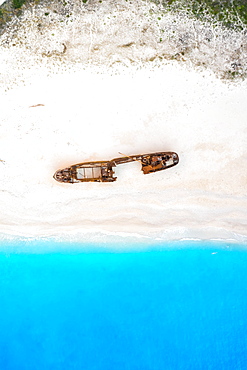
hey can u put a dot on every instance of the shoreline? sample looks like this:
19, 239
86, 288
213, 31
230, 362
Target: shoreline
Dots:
114, 245
176, 235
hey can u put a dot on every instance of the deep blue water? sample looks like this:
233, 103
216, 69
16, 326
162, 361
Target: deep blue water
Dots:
171, 306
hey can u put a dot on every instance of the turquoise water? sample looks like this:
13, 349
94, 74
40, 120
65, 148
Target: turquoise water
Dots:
169, 306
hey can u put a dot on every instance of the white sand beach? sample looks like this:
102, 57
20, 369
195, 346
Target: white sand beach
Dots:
57, 113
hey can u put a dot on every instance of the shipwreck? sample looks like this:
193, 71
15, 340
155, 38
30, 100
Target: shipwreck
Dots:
102, 171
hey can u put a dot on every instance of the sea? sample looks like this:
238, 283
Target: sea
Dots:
174, 305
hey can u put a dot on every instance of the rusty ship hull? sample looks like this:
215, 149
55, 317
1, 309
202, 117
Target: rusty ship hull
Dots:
102, 171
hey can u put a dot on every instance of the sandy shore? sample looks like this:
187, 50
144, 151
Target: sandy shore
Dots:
56, 119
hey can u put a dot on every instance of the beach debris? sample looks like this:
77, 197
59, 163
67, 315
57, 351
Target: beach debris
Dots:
1, 160
37, 105
102, 171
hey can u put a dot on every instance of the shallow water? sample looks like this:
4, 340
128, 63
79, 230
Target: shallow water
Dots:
167, 306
